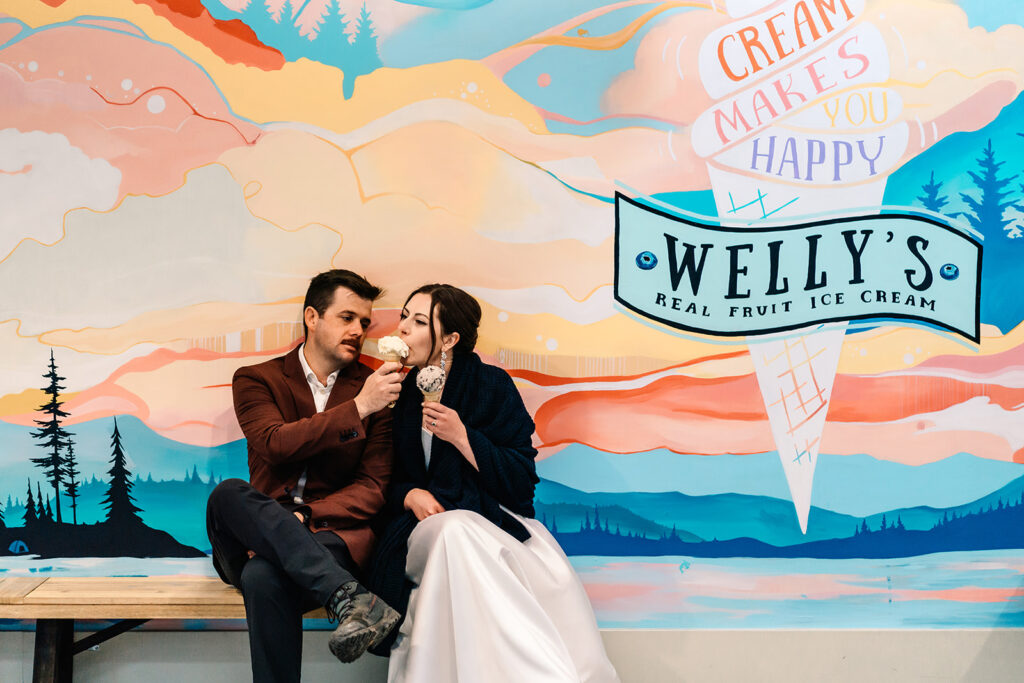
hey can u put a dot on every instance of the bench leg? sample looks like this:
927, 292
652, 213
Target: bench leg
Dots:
53, 651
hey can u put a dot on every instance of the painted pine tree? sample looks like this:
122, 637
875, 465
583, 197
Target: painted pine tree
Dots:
363, 56
283, 29
30, 517
71, 485
40, 508
1016, 228
313, 30
932, 200
342, 23
986, 212
52, 434
330, 43
994, 211
319, 33
364, 45
286, 15
118, 501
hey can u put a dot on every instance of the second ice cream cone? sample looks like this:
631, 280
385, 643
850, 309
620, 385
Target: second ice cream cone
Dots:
430, 382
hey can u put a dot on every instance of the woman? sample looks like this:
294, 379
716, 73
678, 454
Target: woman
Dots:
493, 597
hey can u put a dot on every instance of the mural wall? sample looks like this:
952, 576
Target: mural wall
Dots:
754, 266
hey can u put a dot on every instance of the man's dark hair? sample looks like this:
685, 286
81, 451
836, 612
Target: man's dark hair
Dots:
321, 290
456, 310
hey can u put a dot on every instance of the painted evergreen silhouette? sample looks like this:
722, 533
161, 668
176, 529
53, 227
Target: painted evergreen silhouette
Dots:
325, 39
2, 525
120, 505
52, 435
71, 485
40, 508
320, 20
1016, 228
986, 212
365, 57
30, 517
932, 200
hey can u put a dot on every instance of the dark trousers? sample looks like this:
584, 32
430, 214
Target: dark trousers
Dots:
293, 571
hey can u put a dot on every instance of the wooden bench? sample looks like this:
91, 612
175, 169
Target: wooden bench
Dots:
56, 602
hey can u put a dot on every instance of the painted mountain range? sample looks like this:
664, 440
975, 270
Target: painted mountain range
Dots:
171, 492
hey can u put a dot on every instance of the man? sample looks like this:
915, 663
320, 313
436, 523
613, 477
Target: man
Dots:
319, 440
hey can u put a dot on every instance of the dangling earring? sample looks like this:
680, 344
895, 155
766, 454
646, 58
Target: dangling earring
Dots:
444, 359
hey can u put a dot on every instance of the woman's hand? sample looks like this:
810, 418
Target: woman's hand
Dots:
422, 503
445, 423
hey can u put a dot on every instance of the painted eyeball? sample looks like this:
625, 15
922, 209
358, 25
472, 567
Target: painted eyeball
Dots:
645, 260
949, 272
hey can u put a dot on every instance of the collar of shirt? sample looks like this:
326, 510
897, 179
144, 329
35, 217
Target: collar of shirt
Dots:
321, 392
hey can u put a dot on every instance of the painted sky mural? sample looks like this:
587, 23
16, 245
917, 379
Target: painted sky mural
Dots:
173, 172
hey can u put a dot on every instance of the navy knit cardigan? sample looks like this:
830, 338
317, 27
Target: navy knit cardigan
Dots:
500, 433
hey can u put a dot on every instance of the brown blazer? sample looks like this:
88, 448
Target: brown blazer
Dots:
349, 459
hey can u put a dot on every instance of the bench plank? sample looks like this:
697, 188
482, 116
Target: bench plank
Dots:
150, 590
56, 602
116, 612
14, 589
150, 597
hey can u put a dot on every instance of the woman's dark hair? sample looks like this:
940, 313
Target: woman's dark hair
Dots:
456, 310
320, 292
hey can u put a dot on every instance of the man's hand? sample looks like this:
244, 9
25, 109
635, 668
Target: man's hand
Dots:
422, 503
380, 389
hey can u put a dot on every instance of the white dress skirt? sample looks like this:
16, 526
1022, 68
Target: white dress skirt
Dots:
489, 609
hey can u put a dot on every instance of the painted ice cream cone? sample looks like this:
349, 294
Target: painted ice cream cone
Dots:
792, 160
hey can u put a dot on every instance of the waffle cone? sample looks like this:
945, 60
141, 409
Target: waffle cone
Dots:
432, 395
391, 358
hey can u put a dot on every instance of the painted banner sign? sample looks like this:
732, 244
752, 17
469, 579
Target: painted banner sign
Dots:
730, 281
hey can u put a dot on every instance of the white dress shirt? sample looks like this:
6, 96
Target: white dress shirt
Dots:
321, 392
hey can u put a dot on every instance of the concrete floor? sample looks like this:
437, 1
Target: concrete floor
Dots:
650, 656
